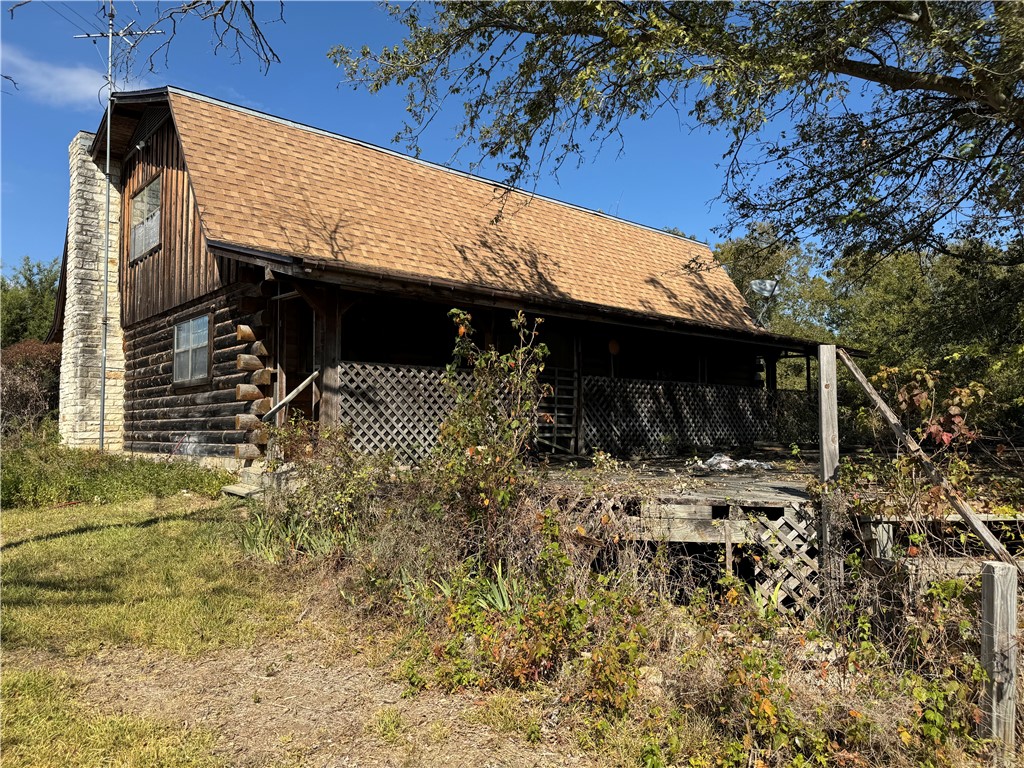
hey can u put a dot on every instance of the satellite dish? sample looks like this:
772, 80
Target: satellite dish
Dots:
764, 288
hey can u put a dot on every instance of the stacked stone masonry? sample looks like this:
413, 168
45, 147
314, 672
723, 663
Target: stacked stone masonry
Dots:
82, 359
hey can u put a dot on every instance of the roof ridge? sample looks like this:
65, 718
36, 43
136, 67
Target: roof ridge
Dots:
169, 89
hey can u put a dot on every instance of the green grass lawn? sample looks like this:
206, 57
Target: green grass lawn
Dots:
45, 725
161, 573
167, 574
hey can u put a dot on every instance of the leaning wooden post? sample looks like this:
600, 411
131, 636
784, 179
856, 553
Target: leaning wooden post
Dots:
999, 656
960, 505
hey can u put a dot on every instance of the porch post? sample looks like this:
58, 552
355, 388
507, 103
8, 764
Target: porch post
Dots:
577, 386
330, 409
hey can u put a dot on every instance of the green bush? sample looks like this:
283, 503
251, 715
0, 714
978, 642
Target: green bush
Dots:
29, 382
38, 472
478, 469
330, 503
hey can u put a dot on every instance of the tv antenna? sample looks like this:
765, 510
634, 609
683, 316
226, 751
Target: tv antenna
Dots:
110, 34
768, 289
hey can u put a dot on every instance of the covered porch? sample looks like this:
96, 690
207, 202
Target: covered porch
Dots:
376, 361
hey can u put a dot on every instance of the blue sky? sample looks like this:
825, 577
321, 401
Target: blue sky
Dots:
664, 176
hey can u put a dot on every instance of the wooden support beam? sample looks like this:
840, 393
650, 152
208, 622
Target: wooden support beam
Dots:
261, 406
248, 451
262, 378
258, 437
248, 392
248, 421
259, 319
146, 422
229, 354
138, 446
205, 437
330, 405
999, 657
975, 523
244, 333
696, 531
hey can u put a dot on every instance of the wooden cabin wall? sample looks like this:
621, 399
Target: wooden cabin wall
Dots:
182, 269
662, 356
220, 417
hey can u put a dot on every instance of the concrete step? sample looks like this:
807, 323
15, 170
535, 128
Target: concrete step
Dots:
245, 490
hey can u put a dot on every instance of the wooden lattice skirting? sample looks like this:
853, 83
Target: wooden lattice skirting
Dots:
400, 408
787, 564
395, 408
663, 418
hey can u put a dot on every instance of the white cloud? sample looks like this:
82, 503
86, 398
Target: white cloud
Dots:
77, 87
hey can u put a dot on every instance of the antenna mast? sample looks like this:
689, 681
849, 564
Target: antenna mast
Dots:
110, 34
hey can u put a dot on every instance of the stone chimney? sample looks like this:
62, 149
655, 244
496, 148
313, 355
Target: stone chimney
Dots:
81, 358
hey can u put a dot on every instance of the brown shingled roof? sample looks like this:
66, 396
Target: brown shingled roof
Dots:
267, 185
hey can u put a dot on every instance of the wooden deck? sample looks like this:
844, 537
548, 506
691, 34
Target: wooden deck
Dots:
766, 515
724, 509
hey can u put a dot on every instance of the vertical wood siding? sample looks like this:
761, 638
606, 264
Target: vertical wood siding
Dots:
182, 269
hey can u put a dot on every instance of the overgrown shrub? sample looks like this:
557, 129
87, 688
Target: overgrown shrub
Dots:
29, 384
328, 503
501, 580
478, 467
38, 472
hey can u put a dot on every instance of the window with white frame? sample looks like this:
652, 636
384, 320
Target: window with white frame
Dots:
145, 235
192, 350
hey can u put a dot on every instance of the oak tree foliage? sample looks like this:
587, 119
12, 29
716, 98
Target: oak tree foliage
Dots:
872, 128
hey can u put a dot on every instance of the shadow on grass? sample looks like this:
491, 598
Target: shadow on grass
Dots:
82, 529
89, 591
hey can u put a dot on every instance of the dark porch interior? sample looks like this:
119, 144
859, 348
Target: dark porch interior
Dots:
615, 387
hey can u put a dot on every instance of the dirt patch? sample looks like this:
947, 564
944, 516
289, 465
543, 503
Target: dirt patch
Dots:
284, 704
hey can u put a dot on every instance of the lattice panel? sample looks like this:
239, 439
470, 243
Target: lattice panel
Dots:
397, 408
400, 408
786, 569
661, 418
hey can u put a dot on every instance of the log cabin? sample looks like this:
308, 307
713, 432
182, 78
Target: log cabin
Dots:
255, 261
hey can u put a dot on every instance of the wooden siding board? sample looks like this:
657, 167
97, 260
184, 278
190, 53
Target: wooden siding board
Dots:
182, 269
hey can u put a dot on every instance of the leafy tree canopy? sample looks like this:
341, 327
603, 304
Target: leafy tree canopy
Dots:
27, 301
964, 318
871, 128
802, 304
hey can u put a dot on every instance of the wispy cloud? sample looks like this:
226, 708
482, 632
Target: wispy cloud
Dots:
77, 87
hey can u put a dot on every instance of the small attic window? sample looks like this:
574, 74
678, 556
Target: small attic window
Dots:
145, 235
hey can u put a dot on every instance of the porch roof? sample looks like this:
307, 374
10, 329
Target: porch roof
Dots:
272, 187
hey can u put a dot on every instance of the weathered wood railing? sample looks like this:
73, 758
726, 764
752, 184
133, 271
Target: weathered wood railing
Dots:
999, 579
291, 396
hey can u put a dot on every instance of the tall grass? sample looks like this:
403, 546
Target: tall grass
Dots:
163, 573
38, 472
